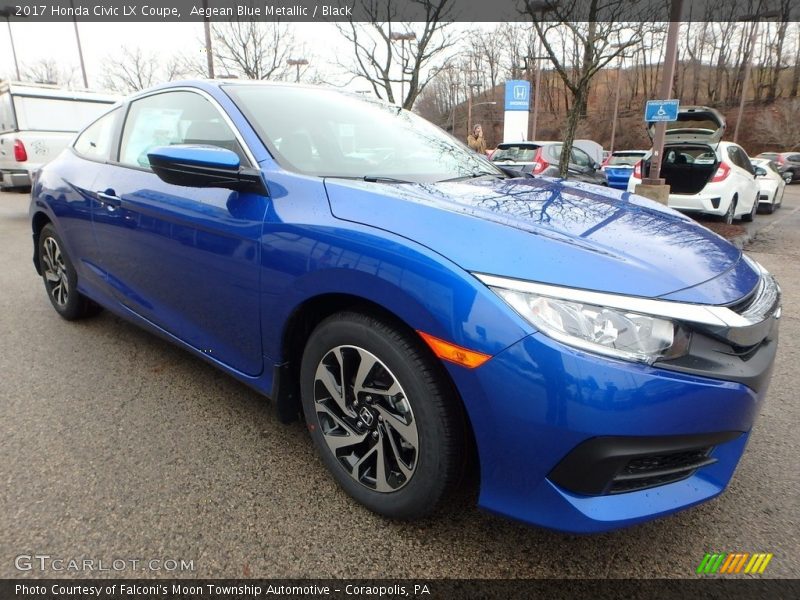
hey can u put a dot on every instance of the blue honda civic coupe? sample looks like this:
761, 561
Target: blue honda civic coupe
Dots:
598, 358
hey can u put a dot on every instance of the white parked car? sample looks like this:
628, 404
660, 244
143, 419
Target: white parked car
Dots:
704, 174
770, 184
37, 122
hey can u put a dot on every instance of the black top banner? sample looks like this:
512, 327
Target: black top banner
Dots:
397, 10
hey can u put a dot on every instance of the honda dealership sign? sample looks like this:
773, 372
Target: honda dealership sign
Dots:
517, 107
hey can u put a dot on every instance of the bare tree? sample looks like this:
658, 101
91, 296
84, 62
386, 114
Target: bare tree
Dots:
47, 70
255, 50
134, 69
386, 62
779, 125
587, 47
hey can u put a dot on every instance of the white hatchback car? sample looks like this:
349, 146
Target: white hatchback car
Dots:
771, 184
704, 174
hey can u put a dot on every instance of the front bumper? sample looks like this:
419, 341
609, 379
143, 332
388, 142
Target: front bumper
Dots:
538, 401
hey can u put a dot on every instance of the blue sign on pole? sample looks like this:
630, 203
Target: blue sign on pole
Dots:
661, 110
518, 94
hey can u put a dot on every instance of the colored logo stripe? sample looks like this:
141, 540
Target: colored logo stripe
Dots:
734, 562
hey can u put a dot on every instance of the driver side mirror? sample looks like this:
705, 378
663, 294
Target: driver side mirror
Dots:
204, 167
760, 171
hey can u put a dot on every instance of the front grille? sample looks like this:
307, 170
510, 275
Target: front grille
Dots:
658, 469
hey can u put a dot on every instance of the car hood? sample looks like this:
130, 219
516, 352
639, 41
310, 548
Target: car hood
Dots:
558, 232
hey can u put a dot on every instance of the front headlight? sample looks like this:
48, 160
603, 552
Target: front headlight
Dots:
604, 330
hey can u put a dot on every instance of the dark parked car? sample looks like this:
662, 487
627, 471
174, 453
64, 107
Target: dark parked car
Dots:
544, 158
788, 164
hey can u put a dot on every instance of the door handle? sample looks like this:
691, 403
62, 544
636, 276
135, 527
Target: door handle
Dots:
109, 199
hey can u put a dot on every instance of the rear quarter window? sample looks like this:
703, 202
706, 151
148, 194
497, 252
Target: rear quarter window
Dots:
96, 140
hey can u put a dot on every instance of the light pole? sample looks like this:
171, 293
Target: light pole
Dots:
471, 84
207, 33
6, 13
403, 38
80, 50
746, 80
543, 7
616, 98
676, 10
482, 104
297, 62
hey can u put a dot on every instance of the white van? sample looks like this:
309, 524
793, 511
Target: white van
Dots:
37, 122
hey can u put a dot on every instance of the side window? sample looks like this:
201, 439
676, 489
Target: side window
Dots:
732, 156
173, 118
580, 158
95, 141
794, 158
745, 161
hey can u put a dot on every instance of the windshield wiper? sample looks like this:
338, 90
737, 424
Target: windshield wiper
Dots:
474, 175
369, 178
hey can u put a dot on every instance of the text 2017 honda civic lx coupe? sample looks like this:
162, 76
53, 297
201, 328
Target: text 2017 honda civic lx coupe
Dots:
604, 356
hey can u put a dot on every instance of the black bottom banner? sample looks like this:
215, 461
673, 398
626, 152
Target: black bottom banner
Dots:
251, 589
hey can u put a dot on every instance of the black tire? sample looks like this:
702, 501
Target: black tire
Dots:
788, 177
752, 214
435, 465
60, 278
769, 208
730, 214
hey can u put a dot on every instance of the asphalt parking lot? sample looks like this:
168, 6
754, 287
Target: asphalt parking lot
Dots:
117, 445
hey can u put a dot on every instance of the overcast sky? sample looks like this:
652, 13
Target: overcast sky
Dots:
102, 41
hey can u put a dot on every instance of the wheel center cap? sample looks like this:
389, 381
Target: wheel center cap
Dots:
366, 416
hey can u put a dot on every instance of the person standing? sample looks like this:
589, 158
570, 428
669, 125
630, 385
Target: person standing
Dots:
476, 141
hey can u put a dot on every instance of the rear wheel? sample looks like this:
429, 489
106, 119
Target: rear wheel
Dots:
788, 177
385, 423
751, 215
60, 278
731, 212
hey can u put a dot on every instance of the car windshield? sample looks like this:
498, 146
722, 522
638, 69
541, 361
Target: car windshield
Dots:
332, 134
625, 160
514, 153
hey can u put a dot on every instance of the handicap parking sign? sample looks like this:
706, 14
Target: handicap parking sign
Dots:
661, 110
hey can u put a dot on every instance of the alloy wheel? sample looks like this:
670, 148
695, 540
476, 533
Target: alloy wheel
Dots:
366, 419
55, 271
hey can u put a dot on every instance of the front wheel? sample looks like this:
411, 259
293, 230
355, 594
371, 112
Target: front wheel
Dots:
383, 419
788, 177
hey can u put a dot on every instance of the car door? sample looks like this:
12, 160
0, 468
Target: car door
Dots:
183, 258
581, 166
745, 174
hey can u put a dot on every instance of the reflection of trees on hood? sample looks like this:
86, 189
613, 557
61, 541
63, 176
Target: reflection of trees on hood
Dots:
582, 213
